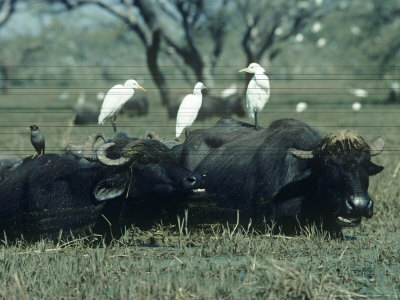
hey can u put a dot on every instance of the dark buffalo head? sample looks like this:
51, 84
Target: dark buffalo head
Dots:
148, 167
340, 169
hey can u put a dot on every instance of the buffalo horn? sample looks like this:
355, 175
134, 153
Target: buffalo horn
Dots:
101, 156
377, 146
88, 146
302, 154
152, 135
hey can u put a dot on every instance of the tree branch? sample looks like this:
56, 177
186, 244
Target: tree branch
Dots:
7, 7
126, 15
189, 52
217, 28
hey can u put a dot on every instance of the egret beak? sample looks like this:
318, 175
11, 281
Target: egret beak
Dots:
204, 87
28, 128
142, 88
244, 70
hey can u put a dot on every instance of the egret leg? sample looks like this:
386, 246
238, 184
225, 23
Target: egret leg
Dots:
34, 155
256, 123
41, 153
113, 124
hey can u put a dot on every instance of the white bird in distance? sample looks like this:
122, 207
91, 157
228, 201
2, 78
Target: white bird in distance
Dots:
189, 108
115, 99
100, 96
359, 93
258, 91
356, 106
301, 106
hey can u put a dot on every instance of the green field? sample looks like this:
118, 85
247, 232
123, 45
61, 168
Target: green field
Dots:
214, 261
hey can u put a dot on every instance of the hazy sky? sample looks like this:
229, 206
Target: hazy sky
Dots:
29, 19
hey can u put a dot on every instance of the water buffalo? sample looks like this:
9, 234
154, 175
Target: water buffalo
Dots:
86, 113
213, 106
137, 106
287, 172
120, 183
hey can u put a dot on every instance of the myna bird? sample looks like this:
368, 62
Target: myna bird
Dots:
37, 140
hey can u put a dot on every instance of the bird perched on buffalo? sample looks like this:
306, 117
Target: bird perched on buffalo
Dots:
258, 91
116, 97
189, 108
37, 140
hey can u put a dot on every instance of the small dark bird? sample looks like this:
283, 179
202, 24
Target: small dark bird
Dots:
37, 140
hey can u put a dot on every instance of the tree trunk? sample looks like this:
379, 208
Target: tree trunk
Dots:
152, 63
5, 80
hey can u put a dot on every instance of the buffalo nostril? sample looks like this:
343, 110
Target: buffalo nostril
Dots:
350, 206
191, 179
360, 206
369, 205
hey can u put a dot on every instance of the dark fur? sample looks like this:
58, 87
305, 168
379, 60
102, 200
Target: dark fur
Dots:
87, 113
44, 195
136, 106
255, 171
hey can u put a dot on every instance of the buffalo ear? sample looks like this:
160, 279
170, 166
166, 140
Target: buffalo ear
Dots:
110, 188
373, 169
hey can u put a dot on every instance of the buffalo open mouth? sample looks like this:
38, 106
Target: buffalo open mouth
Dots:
199, 191
348, 221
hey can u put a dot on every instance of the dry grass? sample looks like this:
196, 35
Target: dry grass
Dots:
211, 261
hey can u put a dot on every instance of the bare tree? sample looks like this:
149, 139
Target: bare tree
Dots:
7, 7
268, 23
382, 23
11, 59
141, 19
16, 55
185, 20
194, 20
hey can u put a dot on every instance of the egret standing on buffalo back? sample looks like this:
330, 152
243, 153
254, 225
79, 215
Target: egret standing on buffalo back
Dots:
116, 97
189, 108
258, 91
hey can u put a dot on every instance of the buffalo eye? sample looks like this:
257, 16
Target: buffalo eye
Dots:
372, 168
334, 171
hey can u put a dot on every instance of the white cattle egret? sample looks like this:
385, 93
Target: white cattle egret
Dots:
299, 37
81, 98
231, 90
279, 31
359, 93
258, 91
189, 109
356, 106
355, 30
63, 96
100, 96
395, 85
321, 42
301, 106
114, 100
316, 27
